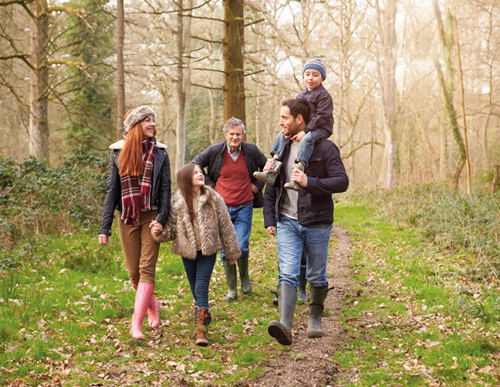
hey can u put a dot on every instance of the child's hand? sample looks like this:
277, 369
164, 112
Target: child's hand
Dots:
155, 227
298, 136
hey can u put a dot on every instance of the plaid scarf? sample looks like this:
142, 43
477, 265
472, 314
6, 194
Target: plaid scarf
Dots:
134, 195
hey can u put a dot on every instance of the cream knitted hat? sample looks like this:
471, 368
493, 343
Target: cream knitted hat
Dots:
137, 115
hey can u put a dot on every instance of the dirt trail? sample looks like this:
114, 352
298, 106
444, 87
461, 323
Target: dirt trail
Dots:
308, 363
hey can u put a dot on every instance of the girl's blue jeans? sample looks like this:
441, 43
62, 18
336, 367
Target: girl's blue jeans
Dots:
199, 271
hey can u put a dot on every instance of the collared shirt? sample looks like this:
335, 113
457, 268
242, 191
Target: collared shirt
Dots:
234, 155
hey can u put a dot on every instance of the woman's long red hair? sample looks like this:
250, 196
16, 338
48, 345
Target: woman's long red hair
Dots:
130, 159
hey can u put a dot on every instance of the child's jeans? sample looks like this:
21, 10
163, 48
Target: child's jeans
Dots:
306, 145
199, 271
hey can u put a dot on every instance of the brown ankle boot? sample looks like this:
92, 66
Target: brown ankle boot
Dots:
202, 319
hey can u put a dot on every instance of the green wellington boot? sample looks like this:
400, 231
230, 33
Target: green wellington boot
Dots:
232, 293
282, 330
302, 284
316, 307
246, 286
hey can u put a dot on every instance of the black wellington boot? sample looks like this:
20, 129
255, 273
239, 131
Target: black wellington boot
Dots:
282, 330
316, 307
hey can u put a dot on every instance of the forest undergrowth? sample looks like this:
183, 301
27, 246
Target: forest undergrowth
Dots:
424, 309
426, 272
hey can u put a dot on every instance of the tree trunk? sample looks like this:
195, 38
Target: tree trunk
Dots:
120, 68
446, 87
443, 148
464, 117
213, 117
183, 83
494, 183
39, 128
342, 60
386, 65
181, 95
234, 77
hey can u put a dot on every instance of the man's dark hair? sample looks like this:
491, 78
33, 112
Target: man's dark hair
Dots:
298, 106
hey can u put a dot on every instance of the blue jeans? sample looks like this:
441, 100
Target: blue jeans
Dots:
306, 145
296, 241
199, 271
242, 220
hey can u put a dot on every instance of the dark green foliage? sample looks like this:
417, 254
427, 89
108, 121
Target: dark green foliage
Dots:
452, 220
91, 97
37, 199
89, 259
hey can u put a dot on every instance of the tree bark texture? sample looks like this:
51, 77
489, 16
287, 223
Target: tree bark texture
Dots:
446, 86
183, 82
494, 183
39, 128
120, 68
234, 77
443, 148
464, 117
386, 65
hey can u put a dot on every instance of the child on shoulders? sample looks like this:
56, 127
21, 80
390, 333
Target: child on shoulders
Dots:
319, 126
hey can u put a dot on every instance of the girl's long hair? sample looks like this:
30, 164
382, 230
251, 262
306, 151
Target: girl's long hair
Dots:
130, 159
185, 184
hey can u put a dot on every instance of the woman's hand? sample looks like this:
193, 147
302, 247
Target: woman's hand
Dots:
155, 227
232, 261
104, 239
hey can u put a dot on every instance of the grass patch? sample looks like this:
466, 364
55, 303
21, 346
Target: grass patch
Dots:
422, 319
66, 315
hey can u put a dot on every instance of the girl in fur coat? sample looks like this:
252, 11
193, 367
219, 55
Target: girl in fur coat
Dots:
199, 225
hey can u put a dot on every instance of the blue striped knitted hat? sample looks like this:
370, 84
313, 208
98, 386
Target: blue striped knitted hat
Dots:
316, 64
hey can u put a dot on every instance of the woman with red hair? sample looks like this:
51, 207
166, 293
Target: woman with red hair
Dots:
138, 187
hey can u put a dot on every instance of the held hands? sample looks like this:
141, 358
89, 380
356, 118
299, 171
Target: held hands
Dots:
155, 227
104, 239
271, 231
232, 261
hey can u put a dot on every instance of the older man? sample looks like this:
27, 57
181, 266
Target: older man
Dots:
304, 221
229, 168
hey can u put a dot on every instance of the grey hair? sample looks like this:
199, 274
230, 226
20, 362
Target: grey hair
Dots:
232, 122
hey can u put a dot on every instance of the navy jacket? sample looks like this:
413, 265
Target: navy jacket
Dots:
212, 159
321, 104
161, 187
325, 175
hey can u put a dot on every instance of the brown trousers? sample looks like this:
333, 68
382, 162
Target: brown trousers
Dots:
139, 248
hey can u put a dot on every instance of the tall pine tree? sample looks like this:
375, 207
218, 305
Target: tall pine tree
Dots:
91, 96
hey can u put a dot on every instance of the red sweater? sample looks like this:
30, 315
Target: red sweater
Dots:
234, 183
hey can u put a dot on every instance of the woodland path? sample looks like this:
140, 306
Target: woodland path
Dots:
309, 361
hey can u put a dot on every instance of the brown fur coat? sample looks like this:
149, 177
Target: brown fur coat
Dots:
216, 228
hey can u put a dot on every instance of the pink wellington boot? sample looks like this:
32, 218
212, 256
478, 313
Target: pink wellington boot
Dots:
153, 311
142, 300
